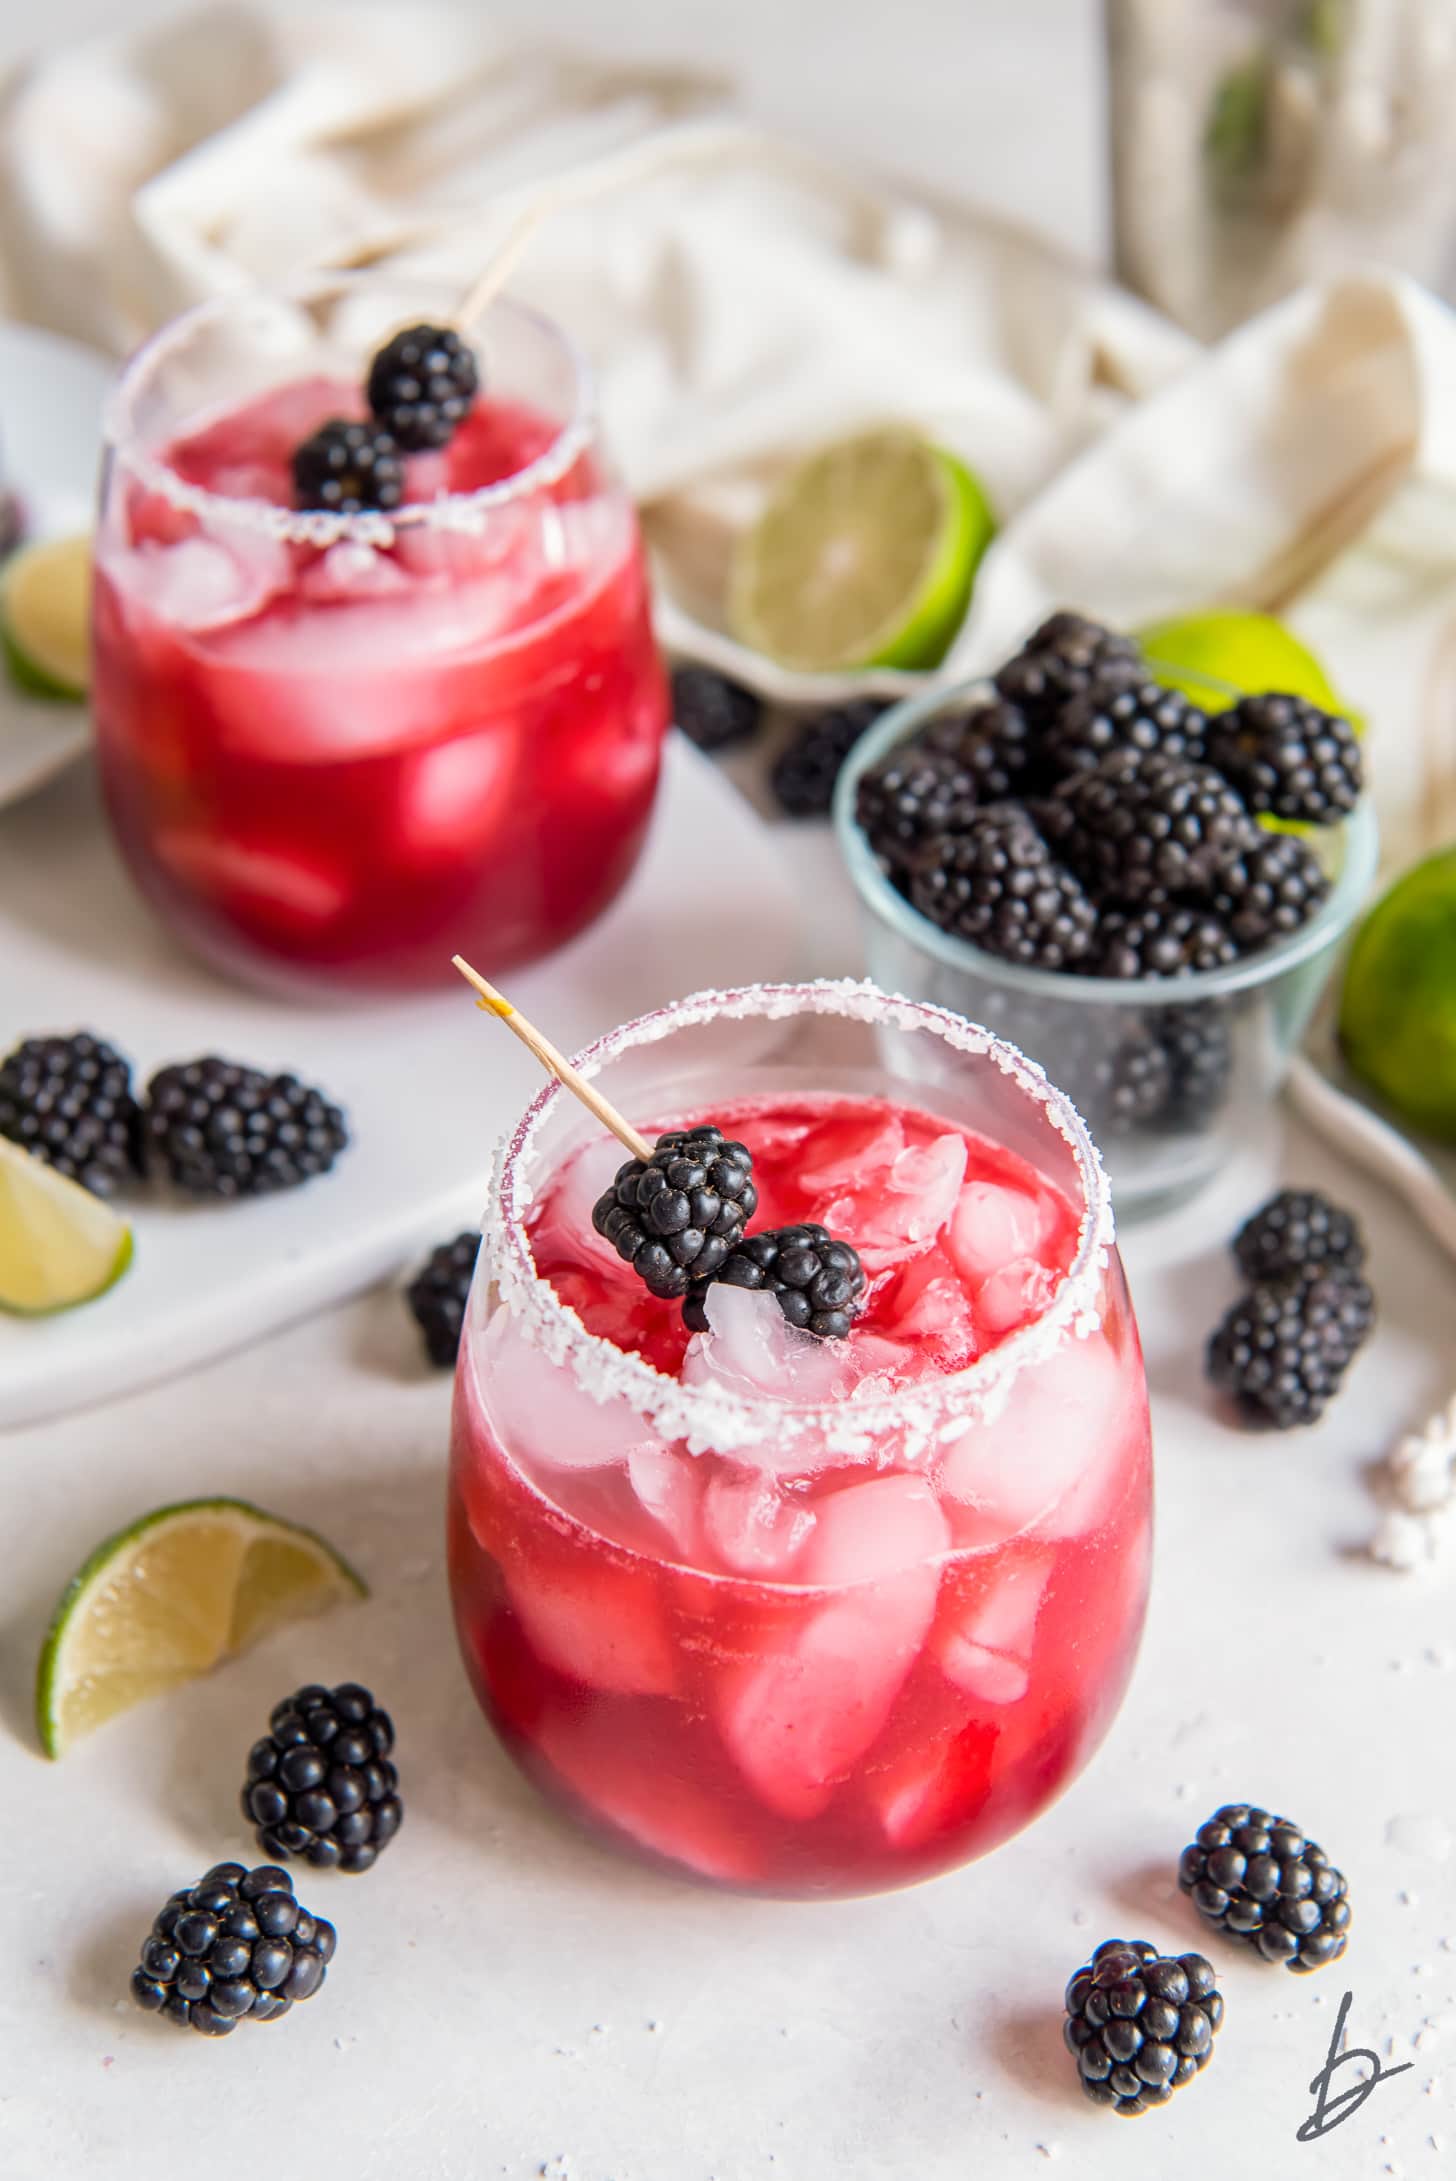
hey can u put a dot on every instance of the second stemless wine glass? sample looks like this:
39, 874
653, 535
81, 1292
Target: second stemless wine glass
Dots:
918, 1681
337, 747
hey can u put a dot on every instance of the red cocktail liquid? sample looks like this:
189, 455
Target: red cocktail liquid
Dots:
829, 1678
339, 764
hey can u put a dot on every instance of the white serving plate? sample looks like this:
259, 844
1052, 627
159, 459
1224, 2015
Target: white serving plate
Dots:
428, 1083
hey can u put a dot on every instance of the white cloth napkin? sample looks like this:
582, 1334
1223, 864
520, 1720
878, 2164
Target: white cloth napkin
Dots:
741, 299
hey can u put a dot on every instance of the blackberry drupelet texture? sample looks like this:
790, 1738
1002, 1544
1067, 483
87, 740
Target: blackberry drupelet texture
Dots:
1199, 1043
1140, 716
1269, 891
806, 770
816, 1280
1258, 1879
217, 1129
320, 1783
1297, 1231
236, 1946
422, 384
438, 1293
69, 1100
992, 740
1140, 2024
1134, 827
1288, 758
712, 711
1283, 1349
997, 884
1166, 939
912, 796
346, 467
1061, 659
675, 1217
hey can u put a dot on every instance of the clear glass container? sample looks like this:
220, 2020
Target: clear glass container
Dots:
1259, 144
931, 1601
337, 748
1226, 1034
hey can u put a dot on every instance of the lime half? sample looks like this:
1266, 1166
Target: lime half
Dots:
1219, 656
45, 616
170, 1596
865, 556
59, 1245
1398, 1001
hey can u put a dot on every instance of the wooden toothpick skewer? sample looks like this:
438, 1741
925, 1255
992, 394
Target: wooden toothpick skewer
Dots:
554, 1062
487, 285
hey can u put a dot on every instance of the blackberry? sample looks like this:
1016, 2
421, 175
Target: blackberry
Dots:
1273, 888
712, 711
1288, 758
1128, 1088
422, 385
818, 1281
1283, 1348
1141, 716
437, 1295
346, 467
218, 1129
674, 1217
69, 1100
1165, 939
993, 743
1140, 2024
997, 884
1257, 1879
1198, 1041
1297, 1231
910, 797
1134, 827
320, 1783
806, 769
1060, 660
237, 1945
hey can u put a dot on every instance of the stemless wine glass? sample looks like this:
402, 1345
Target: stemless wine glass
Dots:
919, 1681
336, 747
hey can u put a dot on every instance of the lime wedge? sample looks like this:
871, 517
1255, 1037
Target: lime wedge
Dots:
865, 556
1219, 656
1398, 1002
171, 1596
59, 1245
45, 616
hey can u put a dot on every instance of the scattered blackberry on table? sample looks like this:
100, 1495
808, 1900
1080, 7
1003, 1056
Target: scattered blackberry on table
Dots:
1257, 1879
1060, 660
422, 384
817, 1280
1136, 826
806, 769
1270, 890
345, 467
997, 884
675, 1217
1297, 1231
992, 741
438, 1293
1141, 716
1199, 1043
1140, 2024
1288, 758
320, 1783
217, 1129
1166, 939
1283, 1348
236, 1946
69, 1100
908, 799
711, 710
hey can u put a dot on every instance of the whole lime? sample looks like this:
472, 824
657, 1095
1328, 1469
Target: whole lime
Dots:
1222, 654
1398, 1004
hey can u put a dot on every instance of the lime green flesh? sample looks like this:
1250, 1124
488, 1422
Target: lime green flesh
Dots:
45, 617
1398, 1000
59, 1245
864, 557
168, 1598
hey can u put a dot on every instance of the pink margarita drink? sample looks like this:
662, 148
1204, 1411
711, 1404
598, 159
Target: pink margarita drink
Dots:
337, 747
810, 1616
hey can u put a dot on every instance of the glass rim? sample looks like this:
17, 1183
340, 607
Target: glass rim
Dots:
448, 511
714, 1416
1359, 833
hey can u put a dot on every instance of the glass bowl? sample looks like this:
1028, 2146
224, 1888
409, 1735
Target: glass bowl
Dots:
1226, 1035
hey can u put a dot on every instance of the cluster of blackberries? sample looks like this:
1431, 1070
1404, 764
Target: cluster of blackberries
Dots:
1139, 2023
238, 1946
210, 1127
421, 385
1284, 1347
717, 714
1085, 818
